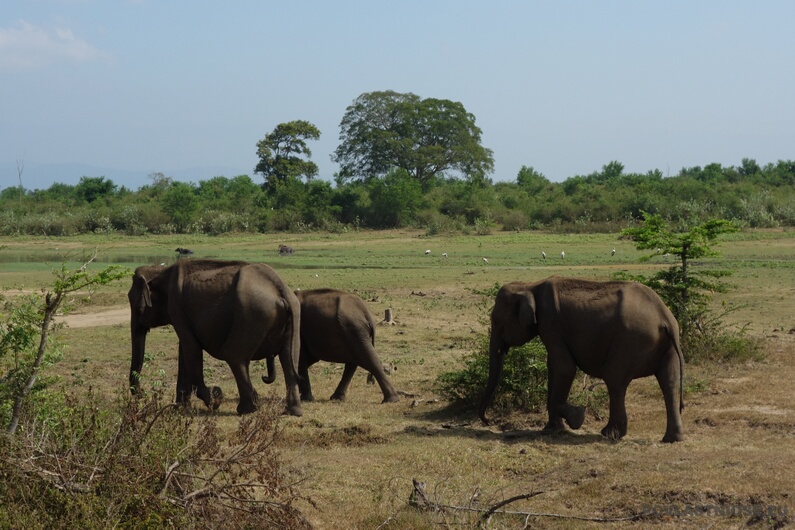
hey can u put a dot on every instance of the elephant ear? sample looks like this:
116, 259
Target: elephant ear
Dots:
527, 310
146, 295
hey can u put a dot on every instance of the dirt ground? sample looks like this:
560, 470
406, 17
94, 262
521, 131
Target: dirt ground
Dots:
739, 454
106, 317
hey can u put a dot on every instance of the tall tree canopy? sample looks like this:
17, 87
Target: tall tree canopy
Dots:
92, 188
280, 152
425, 137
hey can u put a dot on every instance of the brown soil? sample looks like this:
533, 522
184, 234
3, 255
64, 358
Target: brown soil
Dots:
106, 317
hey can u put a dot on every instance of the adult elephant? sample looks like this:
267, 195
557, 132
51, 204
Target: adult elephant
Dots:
336, 326
617, 331
235, 311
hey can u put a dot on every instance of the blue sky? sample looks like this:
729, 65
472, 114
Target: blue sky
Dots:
186, 87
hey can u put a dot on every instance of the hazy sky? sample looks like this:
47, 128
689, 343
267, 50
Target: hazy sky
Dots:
565, 87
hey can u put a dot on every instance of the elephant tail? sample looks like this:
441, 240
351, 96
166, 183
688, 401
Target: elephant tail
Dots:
294, 329
675, 340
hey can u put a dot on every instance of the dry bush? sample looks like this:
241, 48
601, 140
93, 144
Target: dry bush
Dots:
143, 464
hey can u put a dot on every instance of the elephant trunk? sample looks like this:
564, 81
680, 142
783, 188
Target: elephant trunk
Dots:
271, 377
138, 340
497, 350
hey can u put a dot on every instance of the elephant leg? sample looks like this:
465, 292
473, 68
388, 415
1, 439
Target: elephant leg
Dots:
291, 382
271, 368
668, 376
190, 377
184, 384
374, 366
616, 426
304, 385
190, 373
342, 388
248, 396
561, 372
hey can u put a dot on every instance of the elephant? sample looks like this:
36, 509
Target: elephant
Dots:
616, 330
336, 326
235, 311
284, 249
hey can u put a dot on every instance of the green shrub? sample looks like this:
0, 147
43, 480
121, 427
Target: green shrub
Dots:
514, 221
712, 341
483, 224
523, 385
436, 223
218, 222
286, 220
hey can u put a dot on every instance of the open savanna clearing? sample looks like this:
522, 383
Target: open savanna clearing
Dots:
354, 462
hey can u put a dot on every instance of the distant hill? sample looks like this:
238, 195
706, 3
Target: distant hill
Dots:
42, 176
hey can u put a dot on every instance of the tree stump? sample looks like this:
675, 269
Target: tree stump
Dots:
388, 317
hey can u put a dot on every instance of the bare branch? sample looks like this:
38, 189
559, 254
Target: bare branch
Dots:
500, 504
419, 499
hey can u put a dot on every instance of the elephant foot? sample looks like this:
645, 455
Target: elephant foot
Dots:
294, 410
673, 437
576, 417
248, 404
553, 426
614, 432
246, 408
307, 397
337, 397
394, 398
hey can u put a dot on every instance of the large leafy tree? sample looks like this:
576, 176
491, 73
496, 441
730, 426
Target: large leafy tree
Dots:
90, 189
282, 150
427, 138
532, 181
181, 203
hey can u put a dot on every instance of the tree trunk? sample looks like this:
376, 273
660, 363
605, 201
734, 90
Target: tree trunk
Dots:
388, 317
51, 306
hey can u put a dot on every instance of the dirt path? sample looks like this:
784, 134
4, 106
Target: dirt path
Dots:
116, 315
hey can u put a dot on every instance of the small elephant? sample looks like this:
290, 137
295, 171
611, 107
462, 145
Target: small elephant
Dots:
617, 331
233, 310
337, 327
284, 249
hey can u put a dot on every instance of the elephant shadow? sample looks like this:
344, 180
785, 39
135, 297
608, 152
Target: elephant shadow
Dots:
451, 421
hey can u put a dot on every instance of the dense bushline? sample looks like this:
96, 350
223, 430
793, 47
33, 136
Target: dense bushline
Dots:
605, 200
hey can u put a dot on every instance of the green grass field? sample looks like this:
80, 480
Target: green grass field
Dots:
356, 460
